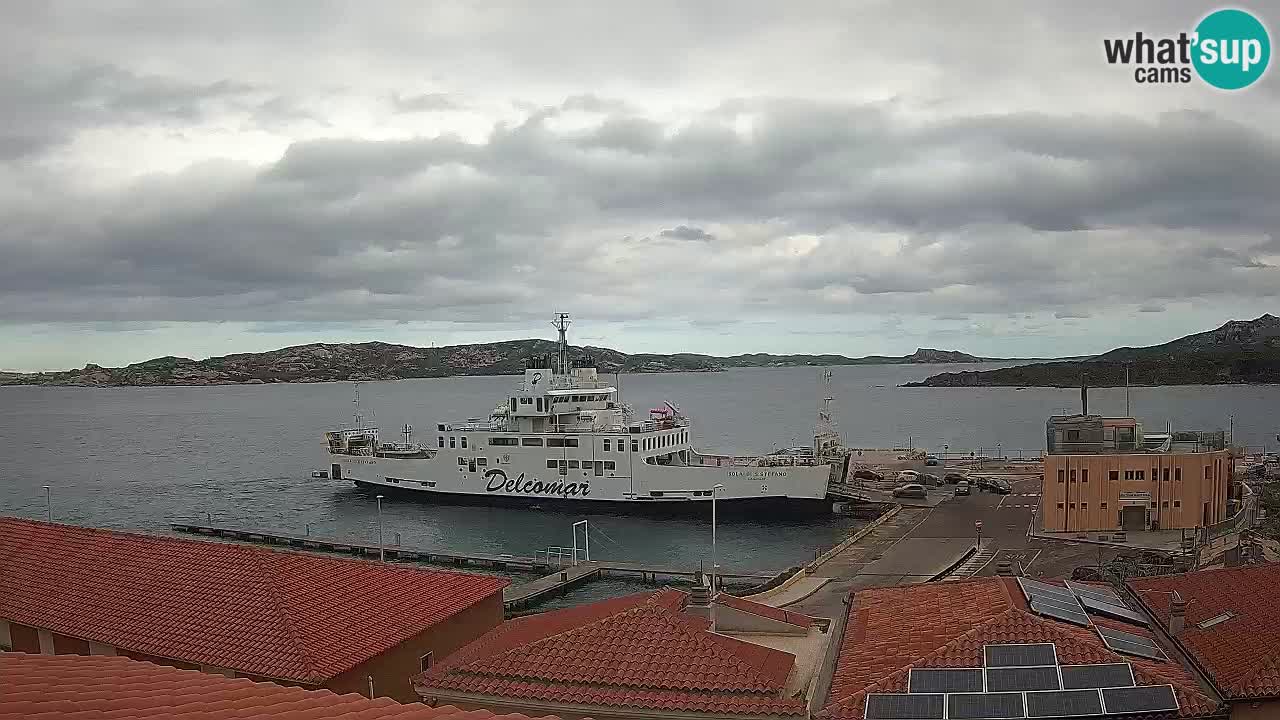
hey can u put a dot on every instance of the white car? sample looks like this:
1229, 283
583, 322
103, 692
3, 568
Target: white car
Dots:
908, 476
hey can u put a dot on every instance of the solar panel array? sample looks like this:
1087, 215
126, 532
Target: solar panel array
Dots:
1054, 601
1130, 644
1020, 681
1104, 601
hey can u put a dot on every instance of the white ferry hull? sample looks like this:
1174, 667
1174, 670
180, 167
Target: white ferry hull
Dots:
645, 486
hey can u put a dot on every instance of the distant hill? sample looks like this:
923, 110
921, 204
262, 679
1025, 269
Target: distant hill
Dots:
1241, 351
323, 362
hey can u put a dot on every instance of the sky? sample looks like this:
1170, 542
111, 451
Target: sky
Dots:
199, 178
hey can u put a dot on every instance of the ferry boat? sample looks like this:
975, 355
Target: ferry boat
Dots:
562, 438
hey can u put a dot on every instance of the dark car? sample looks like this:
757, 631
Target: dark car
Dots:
871, 475
954, 477
931, 460
1000, 487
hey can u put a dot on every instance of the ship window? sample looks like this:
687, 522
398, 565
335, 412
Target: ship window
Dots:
1177, 503
452, 440
622, 444
1062, 475
571, 442
503, 441
531, 442
1177, 474
464, 441
1084, 475
573, 464
482, 462
1115, 474
635, 447
441, 441
428, 483
552, 464
1166, 475
462, 461
538, 404
555, 442
513, 404
606, 444
609, 465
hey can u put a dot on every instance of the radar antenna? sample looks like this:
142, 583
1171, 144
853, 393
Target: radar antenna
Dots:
561, 324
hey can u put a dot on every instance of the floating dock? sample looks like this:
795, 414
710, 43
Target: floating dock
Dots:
558, 580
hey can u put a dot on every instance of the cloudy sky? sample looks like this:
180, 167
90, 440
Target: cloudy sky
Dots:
198, 178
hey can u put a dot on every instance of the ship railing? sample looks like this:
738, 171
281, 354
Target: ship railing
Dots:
652, 425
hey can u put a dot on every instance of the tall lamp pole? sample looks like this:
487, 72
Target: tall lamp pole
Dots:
715, 567
382, 555
48, 503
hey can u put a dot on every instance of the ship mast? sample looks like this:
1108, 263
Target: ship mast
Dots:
825, 427
356, 415
561, 324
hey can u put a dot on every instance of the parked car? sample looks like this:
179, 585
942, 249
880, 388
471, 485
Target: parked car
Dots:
911, 490
954, 477
908, 476
1001, 487
931, 460
871, 475
982, 482
962, 487
928, 479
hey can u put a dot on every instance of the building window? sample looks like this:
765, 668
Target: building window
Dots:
1115, 475
1177, 474
1104, 506
503, 442
441, 441
1059, 506
1128, 474
1084, 475
1073, 436
1073, 506
1177, 503
424, 662
531, 442
552, 464
608, 465
1084, 506
452, 441
1206, 472
1138, 475
1062, 474
1073, 474
1153, 503
606, 444
1164, 504
1166, 475
464, 441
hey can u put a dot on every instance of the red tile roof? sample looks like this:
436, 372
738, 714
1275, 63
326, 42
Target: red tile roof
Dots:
890, 630
57, 687
1241, 654
640, 651
768, 611
283, 615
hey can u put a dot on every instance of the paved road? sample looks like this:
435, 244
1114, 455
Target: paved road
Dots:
920, 542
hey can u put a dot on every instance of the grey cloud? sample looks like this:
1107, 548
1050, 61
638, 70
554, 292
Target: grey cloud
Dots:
1070, 315
684, 232
1151, 308
426, 102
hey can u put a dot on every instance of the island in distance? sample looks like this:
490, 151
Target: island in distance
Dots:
327, 362
1239, 352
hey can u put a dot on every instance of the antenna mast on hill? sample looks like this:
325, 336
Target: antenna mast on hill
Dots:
561, 324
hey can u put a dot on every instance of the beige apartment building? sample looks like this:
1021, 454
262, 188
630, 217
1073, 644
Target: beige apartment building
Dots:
1105, 474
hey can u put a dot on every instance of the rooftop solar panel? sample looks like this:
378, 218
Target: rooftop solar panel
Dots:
1104, 594
1057, 612
984, 706
1112, 610
1016, 679
1077, 677
1130, 644
901, 706
949, 680
1150, 698
1020, 655
1034, 587
1063, 704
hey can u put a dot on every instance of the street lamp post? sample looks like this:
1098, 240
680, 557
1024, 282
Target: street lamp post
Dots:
382, 553
48, 503
715, 566
944, 459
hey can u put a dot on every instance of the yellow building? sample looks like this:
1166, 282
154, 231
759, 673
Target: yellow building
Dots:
1091, 483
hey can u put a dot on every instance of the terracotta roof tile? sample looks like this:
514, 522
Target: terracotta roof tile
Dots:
1242, 653
284, 615
69, 687
638, 651
891, 630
